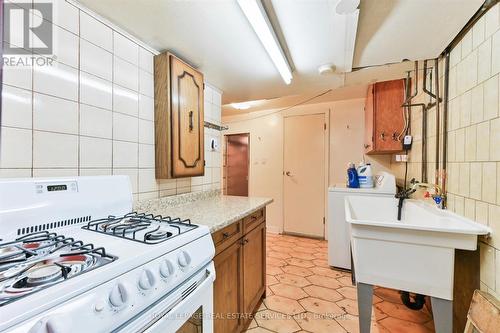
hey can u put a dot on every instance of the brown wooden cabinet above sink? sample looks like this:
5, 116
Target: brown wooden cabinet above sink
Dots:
179, 119
384, 117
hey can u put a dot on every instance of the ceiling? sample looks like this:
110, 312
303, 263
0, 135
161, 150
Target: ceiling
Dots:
215, 36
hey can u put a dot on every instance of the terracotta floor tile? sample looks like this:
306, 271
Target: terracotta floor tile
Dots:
351, 307
313, 322
300, 279
284, 243
299, 262
273, 270
348, 292
283, 305
322, 307
395, 325
306, 249
275, 262
321, 262
259, 330
302, 255
390, 295
253, 324
327, 272
324, 293
293, 280
296, 270
278, 255
345, 281
277, 322
289, 291
324, 281
351, 324
270, 280
400, 311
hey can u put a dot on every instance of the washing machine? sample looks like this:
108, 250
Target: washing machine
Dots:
339, 238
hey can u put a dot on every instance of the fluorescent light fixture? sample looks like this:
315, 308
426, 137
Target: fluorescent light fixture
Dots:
241, 106
256, 15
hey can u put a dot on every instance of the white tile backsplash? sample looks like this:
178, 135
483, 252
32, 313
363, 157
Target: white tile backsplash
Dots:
125, 100
92, 113
146, 60
96, 122
55, 114
54, 150
58, 80
96, 60
16, 149
126, 74
96, 91
16, 107
96, 32
66, 47
125, 128
125, 48
95, 153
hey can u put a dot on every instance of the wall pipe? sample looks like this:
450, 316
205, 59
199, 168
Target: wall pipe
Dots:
445, 122
438, 125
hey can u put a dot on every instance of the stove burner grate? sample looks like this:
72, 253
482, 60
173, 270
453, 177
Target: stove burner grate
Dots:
129, 225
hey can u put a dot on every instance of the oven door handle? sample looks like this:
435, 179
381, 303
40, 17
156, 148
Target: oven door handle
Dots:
180, 295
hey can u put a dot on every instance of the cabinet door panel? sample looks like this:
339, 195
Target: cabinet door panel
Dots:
187, 120
228, 289
389, 96
254, 274
369, 120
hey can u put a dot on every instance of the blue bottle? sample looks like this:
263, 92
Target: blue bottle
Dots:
352, 176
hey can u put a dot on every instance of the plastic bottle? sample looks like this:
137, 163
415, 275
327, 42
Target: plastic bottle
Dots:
365, 175
352, 176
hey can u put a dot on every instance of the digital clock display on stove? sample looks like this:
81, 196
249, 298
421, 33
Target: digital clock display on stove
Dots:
53, 188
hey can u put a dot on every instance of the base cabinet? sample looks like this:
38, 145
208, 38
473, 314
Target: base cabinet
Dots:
240, 268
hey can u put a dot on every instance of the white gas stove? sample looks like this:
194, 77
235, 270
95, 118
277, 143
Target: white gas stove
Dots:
75, 258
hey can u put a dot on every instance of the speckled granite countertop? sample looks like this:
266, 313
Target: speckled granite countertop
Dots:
207, 208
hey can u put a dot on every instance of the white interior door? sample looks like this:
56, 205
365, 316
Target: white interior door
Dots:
304, 175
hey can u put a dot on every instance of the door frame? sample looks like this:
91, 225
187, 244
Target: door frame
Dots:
224, 160
326, 139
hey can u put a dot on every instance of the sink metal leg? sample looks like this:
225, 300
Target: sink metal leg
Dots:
365, 299
442, 311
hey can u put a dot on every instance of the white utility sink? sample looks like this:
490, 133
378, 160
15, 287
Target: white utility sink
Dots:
415, 254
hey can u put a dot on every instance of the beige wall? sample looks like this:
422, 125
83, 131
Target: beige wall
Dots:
346, 128
473, 168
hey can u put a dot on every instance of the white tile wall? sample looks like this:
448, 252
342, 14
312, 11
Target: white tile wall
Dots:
93, 112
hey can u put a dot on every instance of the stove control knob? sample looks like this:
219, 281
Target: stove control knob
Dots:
118, 295
166, 269
184, 259
147, 280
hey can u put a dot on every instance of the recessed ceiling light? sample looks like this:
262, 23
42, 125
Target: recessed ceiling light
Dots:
256, 15
241, 106
345, 7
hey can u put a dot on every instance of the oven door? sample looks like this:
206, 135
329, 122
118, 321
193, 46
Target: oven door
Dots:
188, 309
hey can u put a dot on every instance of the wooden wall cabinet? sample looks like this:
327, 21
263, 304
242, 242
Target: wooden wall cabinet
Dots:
179, 120
240, 268
384, 117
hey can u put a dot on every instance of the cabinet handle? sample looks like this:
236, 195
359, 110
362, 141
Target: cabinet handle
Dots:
225, 235
191, 126
382, 136
244, 241
367, 146
394, 136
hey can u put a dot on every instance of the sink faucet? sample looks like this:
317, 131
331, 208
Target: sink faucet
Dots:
405, 194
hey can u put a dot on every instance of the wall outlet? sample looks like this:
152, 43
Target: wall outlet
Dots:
402, 158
